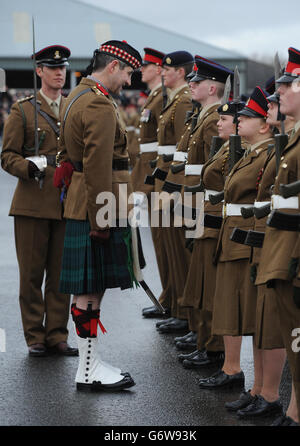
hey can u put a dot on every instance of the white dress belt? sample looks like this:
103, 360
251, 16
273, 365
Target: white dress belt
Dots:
231, 209
180, 156
278, 202
193, 169
148, 147
166, 150
209, 192
260, 204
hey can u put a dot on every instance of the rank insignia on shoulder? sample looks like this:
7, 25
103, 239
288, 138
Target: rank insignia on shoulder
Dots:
102, 89
25, 99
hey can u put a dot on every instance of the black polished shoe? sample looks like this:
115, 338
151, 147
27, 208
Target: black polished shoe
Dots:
152, 312
221, 379
260, 408
175, 326
185, 337
97, 386
165, 321
284, 420
203, 359
184, 356
188, 343
63, 349
244, 400
37, 350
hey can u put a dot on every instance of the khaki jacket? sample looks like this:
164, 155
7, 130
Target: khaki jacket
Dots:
199, 141
241, 188
279, 246
29, 200
93, 135
171, 126
213, 176
148, 124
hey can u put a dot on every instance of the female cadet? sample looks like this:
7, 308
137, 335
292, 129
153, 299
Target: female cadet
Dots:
200, 286
235, 296
268, 347
279, 244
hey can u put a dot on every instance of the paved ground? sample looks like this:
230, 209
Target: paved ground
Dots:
41, 391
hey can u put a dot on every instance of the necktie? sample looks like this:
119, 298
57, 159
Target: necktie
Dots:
54, 108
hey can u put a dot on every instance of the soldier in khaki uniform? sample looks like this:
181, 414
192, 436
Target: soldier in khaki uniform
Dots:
176, 66
279, 245
149, 118
235, 296
207, 88
200, 284
97, 253
269, 353
39, 227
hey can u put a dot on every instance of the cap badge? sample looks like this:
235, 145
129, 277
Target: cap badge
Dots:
168, 60
225, 107
57, 55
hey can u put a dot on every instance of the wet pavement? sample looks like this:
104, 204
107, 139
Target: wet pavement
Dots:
41, 391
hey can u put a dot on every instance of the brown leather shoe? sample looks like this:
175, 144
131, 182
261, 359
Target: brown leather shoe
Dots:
37, 350
64, 349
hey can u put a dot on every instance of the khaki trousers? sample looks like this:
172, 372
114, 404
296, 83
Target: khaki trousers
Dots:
39, 247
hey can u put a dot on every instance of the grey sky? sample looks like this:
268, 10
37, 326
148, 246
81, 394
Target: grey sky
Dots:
254, 27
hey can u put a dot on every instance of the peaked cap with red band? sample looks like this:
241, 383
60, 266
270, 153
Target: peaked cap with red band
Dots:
53, 56
257, 104
122, 51
153, 57
209, 69
292, 69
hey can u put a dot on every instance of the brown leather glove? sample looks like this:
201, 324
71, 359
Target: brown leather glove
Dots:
100, 236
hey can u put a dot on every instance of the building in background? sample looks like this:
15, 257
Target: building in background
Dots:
82, 27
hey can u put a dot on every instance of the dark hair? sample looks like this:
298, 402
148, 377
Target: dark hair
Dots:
187, 69
100, 60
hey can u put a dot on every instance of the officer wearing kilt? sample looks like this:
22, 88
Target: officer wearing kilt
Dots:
97, 247
37, 211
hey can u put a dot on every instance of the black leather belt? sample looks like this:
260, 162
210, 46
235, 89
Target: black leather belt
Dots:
116, 165
51, 160
212, 221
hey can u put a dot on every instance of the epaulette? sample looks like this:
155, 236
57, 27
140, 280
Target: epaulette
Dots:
25, 99
98, 89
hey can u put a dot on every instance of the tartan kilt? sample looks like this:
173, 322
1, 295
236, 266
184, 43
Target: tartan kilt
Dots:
89, 267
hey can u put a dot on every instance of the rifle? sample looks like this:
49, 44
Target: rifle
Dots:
235, 144
290, 190
282, 138
40, 161
164, 92
216, 144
